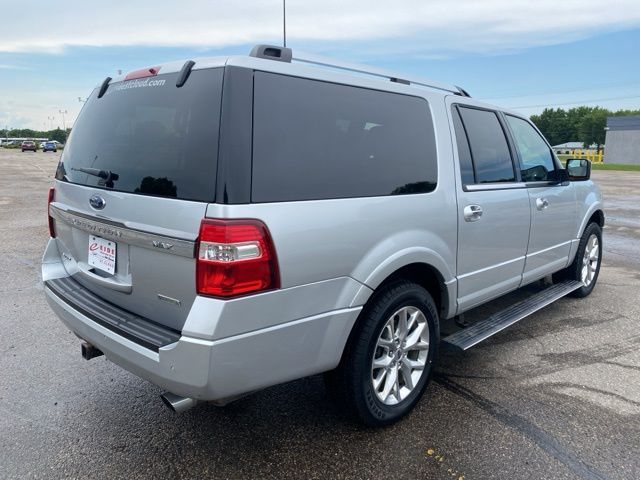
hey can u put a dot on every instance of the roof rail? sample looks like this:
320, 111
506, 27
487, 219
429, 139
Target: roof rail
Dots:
287, 55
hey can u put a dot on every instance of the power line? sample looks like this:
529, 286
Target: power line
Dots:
557, 92
579, 102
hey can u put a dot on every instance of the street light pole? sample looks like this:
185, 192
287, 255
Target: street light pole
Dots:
64, 125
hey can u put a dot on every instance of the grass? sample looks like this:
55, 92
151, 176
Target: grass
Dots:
622, 167
615, 166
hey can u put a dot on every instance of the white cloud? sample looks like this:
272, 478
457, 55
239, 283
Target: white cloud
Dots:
414, 26
5, 66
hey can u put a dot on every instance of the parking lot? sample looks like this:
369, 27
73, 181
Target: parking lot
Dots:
555, 396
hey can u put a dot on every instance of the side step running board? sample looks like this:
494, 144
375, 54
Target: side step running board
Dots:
476, 333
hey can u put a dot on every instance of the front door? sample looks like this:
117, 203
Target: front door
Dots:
493, 208
553, 204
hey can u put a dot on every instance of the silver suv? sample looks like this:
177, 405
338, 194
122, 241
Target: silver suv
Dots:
227, 224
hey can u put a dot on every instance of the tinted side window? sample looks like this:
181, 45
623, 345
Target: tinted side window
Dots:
536, 160
489, 148
464, 154
317, 140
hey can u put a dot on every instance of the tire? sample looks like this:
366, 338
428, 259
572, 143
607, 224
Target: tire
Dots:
575, 270
352, 383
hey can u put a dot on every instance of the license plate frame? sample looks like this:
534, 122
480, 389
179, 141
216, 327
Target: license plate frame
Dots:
102, 254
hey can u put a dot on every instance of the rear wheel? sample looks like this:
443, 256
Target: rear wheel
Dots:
387, 364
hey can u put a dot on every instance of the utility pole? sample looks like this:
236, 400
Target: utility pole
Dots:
284, 23
64, 125
51, 119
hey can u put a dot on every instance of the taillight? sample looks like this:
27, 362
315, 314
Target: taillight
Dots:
52, 230
235, 257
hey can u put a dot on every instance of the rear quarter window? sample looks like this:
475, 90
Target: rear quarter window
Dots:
318, 140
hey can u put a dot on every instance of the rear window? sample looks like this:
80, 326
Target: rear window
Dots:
149, 137
318, 140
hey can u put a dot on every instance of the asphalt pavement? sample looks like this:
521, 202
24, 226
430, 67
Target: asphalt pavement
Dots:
555, 396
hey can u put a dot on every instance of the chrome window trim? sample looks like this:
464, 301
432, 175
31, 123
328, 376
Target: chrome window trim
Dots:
542, 183
119, 233
479, 187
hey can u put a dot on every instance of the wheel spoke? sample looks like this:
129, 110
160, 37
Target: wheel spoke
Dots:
406, 375
413, 364
402, 324
389, 383
414, 338
397, 389
390, 331
379, 379
419, 346
413, 320
382, 362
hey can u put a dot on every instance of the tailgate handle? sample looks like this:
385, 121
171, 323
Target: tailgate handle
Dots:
86, 271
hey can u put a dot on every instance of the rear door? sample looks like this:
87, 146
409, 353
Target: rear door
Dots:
132, 187
493, 208
553, 204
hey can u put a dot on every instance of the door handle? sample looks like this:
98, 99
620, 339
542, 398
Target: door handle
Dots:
541, 203
472, 213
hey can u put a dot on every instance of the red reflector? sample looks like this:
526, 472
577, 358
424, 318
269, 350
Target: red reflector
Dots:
235, 257
145, 72
52, 230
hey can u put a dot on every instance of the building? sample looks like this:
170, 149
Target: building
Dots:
572, 147
568, 147
622, 140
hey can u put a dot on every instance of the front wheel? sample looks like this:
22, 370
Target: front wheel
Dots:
586, 264
387, 363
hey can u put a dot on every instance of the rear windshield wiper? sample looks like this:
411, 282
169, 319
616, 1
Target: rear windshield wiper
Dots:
107, 177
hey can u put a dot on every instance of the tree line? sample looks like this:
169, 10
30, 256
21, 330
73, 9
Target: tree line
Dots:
57, 134
579, 124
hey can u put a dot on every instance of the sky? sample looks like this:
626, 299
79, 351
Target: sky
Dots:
521, 55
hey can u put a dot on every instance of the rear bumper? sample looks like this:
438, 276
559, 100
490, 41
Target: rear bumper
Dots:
216, 369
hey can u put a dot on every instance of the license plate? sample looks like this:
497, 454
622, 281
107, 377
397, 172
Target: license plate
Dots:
102, 254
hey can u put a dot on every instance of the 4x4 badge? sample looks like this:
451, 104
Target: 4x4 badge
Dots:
97, 202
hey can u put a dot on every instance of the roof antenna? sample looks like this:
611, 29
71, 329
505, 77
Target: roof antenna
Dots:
284, 22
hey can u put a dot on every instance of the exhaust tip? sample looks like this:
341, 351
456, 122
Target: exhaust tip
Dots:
176, 403
89, 351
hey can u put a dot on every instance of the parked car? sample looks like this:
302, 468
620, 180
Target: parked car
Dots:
49, 147
340, 220
29, 145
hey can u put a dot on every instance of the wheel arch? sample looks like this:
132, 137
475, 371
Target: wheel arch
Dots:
425, 275
594, 214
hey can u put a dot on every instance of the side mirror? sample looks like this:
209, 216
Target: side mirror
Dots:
578, 169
